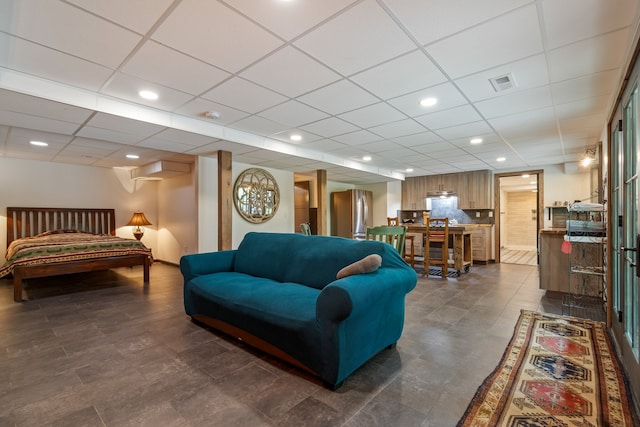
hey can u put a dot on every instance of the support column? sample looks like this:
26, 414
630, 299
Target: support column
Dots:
321, 191
225, 200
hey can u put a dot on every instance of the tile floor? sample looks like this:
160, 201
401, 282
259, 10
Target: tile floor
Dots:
101, 349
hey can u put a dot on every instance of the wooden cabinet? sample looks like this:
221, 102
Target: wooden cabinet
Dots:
474, 190
481, 242
415, 189
553, 263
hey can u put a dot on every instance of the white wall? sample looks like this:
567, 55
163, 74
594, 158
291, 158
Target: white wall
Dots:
207, 201
177, 211
30, 183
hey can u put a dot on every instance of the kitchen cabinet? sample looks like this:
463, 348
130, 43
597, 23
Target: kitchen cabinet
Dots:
553, 263
415, 189
481, 242
474, 190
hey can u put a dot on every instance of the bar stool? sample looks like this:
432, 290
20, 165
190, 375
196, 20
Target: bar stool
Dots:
410, 257
438, 238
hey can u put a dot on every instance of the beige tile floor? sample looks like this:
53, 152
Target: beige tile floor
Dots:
101, 349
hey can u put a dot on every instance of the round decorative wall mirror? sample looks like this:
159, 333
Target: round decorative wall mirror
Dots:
256, 195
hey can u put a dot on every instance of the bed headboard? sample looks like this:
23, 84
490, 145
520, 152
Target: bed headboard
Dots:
27, 222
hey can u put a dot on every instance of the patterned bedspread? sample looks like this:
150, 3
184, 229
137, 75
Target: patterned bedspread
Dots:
56, 246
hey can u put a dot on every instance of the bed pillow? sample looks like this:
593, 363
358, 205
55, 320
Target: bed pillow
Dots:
368, 264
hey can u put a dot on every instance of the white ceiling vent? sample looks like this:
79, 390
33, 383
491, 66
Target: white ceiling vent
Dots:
160, 170
504, 82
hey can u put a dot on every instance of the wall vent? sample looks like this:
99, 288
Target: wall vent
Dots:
504, 82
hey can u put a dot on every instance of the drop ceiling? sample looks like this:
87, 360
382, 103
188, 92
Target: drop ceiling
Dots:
347, 76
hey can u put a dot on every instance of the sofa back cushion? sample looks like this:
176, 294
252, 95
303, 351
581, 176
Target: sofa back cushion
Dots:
309, 260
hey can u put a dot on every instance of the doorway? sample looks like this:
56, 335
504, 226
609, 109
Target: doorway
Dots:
519, 206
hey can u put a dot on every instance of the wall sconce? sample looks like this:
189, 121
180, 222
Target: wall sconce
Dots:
136, 221
589, 157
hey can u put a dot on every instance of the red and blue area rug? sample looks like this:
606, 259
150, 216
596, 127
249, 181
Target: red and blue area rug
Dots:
557, 371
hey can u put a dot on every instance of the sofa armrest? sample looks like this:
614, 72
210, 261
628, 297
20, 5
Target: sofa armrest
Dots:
359, 293
195, 265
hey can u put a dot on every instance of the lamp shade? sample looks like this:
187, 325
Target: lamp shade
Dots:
138, 219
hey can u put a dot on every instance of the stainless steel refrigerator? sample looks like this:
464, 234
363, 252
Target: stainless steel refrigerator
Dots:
351, 213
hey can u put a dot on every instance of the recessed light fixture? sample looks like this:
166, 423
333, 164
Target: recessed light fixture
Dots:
132, 156
366, 158
38, 143
428, 102
147, 94
213, 115
409, 170
295, 137
501, 159
476, 141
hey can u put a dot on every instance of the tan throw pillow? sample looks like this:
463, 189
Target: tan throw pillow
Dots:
367, 264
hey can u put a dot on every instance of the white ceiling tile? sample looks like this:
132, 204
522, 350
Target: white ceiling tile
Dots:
244, 96
516, 102
446, 94
587, 57
293, 114
357, 138
163, 144
527, 73
92, 38
373, 37
329, 127
408, 73
126, 87
44, 124
451, 117
466, 130
432, 20
124, 125
339, 97
593, 85
398, 129
417, 139
173, 69
54, 65
323, 145
203, 29
43, 108
289, 19
138, 15
488, 44
594, 17
290, 72
187, 138
583, 107
373, 115
258, 126
285, 136
535, 122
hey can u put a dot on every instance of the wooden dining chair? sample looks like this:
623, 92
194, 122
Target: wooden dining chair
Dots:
393, 235
437, 242
410, 239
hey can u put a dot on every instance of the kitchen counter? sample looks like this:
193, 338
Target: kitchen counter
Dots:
553, 230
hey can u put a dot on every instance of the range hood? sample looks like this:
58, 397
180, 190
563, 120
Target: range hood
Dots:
160, 170
441, 194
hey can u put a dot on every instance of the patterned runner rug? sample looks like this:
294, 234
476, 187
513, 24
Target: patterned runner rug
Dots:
556, 371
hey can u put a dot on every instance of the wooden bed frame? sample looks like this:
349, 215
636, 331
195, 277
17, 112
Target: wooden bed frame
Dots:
27, 222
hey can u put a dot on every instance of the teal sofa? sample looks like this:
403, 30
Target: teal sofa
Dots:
279, 292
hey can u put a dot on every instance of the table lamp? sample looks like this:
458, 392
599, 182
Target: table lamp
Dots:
136, 221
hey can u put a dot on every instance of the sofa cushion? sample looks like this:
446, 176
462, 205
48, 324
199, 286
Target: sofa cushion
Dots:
309, 260
368, 264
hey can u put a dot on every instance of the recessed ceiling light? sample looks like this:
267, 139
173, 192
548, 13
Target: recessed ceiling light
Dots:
409, 170
428, 102
476, 141
366, 158
132, 156
147, 94
213, 115
38, 143
295, 137
501, 159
